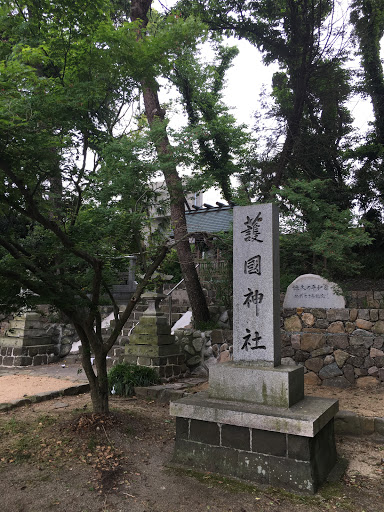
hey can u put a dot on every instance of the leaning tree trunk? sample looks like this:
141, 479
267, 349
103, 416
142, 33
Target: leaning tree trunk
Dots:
156, 117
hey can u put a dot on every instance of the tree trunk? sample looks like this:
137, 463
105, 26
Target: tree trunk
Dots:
156, 117
100, 394
98, 383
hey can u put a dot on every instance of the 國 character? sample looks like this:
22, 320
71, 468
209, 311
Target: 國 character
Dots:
255, 339
253, 265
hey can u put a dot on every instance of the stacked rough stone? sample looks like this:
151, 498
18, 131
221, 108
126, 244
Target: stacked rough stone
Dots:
63, 335
195, 344
222, 344
336, 346
200, 347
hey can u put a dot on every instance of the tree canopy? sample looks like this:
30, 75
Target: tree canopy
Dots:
74, 175
312, 136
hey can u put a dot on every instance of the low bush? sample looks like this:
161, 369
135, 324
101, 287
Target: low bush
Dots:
123, 378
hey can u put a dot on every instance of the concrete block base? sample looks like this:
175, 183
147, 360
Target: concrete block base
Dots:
290, 448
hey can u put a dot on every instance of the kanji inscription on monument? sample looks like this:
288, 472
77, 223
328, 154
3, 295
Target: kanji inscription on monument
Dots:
313, 291
256, 284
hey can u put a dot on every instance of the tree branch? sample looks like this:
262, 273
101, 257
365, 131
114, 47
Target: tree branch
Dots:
33, 212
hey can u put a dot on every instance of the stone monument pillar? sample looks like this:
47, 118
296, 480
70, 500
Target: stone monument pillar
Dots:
254, 422
123, 291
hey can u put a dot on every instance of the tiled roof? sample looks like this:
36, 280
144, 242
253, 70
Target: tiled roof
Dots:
211, 220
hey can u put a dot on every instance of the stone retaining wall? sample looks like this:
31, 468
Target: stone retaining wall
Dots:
351, 423
202, 349
29, 356
336, 346
364, 299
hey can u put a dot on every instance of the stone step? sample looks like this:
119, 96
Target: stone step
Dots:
30, 315
19, 332
30, 351
112, 357
7, 341
128, 327
164, 308
141, 306
72, 358
21, 324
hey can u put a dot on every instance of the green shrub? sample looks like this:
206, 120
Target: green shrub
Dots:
123, 377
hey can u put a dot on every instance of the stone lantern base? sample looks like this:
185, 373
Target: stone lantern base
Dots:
152, 343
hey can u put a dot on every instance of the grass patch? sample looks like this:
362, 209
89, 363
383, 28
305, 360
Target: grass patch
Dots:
212, 479
81, 410
129, 430
46, 420
92, 443
335, 492
23, 449
12, 426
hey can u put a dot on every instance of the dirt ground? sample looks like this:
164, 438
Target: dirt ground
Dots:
57, 456
13, 387
367, 401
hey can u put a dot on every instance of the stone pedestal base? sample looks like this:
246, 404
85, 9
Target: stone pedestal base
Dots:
168, 367
290, 448
153, 345
282, 386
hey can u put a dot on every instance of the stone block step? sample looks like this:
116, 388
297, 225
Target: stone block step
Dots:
19, 332
305, 418
26, 323
8, 341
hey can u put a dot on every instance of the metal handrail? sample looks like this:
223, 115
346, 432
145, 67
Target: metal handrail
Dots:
169, 297
178, 284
